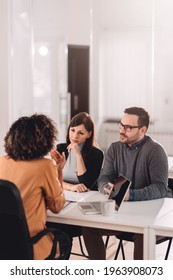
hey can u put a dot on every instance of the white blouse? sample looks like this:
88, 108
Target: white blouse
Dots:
70, 168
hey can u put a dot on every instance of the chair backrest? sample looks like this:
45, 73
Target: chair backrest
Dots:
14, 233
170, 184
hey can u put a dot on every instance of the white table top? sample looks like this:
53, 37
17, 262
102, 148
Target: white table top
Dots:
134, 216
164, 223
161, 226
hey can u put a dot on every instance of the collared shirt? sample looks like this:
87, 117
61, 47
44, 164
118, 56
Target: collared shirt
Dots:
136, 145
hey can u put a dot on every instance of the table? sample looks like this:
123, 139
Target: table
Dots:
162, 225
134, 217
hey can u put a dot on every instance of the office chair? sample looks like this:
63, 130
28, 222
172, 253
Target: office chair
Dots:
170, 184
126, 237
82, 253
15, 240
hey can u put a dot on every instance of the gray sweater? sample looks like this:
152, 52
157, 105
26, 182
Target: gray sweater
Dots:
145, 164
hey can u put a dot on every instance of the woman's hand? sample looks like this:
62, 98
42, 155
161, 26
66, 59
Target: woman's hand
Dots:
75, 187
75, 148
79, 188
58, 158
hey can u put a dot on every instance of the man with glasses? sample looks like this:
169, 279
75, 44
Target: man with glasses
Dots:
141, 160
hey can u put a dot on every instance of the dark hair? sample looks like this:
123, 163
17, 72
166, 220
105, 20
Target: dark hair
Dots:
143, 116
86, 120
30, 137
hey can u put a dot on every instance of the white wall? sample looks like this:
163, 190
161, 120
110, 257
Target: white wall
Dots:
61, 22
134, 40
35, 83
78, 22
130, 23
4, 69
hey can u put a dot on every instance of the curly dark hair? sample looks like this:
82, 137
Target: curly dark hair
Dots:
30, 137
85, 119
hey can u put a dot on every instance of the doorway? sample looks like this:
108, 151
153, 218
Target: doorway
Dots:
78, 78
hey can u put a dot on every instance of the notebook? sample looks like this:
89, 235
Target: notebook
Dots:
117, 193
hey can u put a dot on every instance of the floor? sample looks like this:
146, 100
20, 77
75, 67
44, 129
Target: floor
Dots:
128, 246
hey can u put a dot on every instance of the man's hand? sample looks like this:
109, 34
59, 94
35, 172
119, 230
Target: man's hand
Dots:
127, 197
108, 188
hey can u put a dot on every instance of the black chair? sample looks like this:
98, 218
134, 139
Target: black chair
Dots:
170, 184
126, 237
15, 240
81, 253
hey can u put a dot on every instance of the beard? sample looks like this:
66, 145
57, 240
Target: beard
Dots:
123, 138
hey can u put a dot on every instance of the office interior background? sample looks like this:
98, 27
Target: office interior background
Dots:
129, 44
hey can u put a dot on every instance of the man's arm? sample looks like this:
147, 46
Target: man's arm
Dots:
157, 174
107, 174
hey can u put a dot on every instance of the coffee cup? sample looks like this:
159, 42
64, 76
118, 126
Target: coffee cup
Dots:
108, 208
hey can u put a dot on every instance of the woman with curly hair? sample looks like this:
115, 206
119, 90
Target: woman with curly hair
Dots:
39, 180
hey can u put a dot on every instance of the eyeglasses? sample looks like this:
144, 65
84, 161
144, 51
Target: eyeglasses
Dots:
126, 127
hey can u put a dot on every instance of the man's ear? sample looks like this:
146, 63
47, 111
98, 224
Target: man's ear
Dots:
143, 129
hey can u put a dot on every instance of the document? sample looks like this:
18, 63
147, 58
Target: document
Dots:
75, 196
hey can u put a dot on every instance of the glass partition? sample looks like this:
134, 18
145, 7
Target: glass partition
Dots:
39, 59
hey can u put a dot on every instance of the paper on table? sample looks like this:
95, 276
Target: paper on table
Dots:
75, 197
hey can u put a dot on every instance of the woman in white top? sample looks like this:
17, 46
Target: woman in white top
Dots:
83, 158
83, 161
